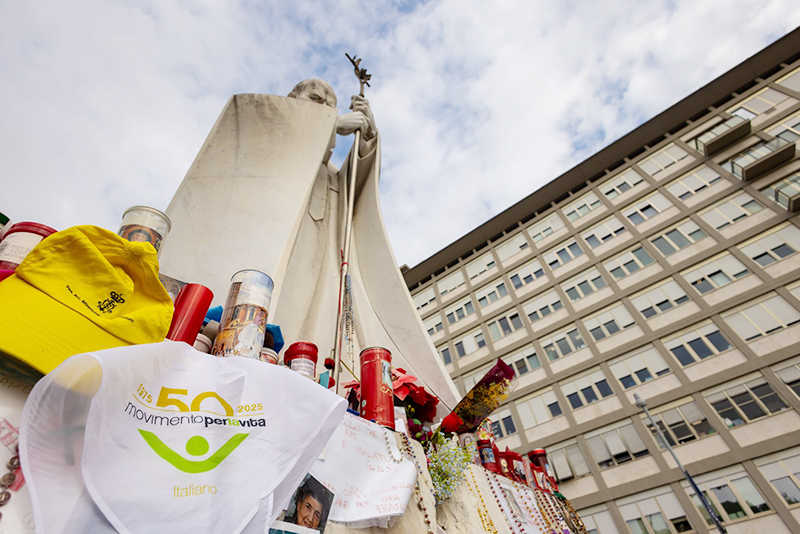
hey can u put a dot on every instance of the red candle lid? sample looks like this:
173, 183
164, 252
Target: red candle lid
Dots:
301, 349
32, 228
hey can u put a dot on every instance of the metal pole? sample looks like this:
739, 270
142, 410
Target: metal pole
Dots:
643, 405
351, 194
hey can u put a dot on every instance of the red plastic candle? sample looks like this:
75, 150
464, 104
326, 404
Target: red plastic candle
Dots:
191, 306
377, 393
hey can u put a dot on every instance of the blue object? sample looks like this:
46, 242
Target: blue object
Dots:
275, 330
214, 314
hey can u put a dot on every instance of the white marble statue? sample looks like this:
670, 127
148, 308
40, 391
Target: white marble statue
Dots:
263, 194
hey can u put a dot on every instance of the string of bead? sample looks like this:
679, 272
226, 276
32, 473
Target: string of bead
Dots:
580, 527
492, 481
386, 434
9, 478
417, 492
349, 319
537, 518
483, 511
539, 496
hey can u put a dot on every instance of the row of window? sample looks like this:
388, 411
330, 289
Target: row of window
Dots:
723, 214
730, 492
736, 403
768, 248
757, 318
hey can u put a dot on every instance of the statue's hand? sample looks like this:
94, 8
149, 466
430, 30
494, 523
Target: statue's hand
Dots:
360, 119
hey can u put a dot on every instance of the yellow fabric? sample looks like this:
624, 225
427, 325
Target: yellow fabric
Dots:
80, 290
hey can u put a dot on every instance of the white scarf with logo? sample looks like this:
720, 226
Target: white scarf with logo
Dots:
162, 438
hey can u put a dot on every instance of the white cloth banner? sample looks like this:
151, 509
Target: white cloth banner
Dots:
359, 465
162, 438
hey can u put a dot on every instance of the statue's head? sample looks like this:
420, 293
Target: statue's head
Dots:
314, 90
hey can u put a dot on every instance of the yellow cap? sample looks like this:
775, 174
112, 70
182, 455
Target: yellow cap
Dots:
81, 290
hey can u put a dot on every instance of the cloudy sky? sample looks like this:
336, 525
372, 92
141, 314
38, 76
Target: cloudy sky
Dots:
104, 104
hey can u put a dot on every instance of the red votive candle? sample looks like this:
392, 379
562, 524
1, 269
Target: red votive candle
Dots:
191, 306
377, 393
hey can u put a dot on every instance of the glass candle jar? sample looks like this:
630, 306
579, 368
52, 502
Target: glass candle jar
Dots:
244, 319
143, 223
20, 239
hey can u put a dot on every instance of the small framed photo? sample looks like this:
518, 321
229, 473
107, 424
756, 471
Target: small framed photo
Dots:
310, 505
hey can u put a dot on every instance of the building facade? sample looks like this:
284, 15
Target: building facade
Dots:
668, 265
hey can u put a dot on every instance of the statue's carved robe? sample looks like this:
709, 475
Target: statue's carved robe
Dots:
257, 197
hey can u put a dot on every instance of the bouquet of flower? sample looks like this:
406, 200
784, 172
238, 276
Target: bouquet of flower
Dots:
446, 464
484, 398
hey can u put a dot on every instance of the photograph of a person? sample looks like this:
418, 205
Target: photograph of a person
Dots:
310, 505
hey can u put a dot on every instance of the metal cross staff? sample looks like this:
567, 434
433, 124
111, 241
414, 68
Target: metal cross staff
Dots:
363, 79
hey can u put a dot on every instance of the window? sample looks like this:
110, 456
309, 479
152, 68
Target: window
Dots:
680, 422
730, 211
523, 360
511, 247
715, 273
584, 284
761, 102
659, 298
459, 311
545, 228
563, 253
503, 326
502, 423
709, 135
567, 460
692, 183
762, 317
783, 190
586, 389
628, 262
480, 265
433, 324
654, 512
638, 367
609, 322
451, 282
563, 343
788, 130
681, 236
647, 208
616, 445
791, 80
732, 496
598, 521
526, 274
760, 150
784, 475
469, 343
791, 377
491, 293
445, 353
584, 205
424, 297
604, 232
474, 377
542, 306
538, 408
662, 160
745, 400
697, 343
773, 245
621, 184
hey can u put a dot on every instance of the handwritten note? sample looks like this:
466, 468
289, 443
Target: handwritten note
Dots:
361, 471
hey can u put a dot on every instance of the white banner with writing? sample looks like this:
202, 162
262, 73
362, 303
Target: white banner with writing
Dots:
169, 439
370, 476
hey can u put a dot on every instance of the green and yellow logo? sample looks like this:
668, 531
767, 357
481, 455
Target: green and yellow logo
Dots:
196, 446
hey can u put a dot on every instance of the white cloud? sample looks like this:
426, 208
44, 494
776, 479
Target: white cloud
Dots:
105, 104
